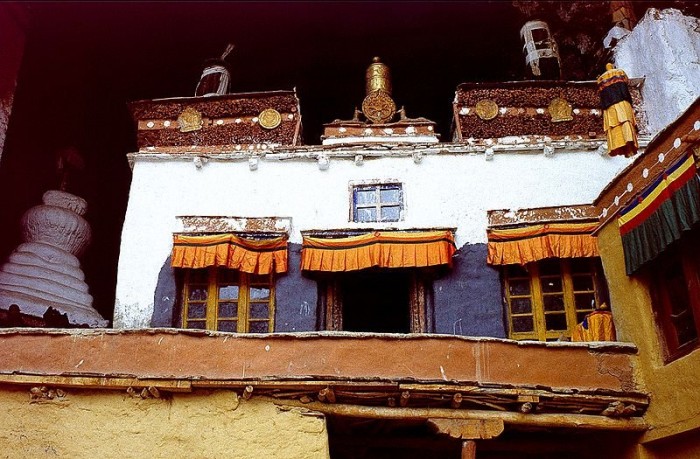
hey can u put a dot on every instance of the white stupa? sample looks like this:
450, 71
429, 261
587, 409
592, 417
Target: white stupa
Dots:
44, 271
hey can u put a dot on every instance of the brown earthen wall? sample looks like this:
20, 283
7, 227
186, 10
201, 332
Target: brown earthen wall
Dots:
112, 424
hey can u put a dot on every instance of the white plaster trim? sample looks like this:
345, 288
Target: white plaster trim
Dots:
377, 139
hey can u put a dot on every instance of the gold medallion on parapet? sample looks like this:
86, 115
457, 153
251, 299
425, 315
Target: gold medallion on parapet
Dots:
190, 120
560, 110
486, 109
269, 118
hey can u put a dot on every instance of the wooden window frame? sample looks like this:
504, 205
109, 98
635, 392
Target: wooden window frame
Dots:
537, 295
687, 256
244, 282
331, 304
378, 203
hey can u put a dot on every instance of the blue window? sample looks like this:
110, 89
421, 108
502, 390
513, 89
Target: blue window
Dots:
377, 203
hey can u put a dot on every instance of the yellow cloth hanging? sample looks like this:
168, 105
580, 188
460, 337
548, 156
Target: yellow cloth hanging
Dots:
230, 251
382, 249
597, 326
537, 242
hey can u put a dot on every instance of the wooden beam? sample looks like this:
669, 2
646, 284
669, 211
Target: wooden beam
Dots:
97, 382
580, 421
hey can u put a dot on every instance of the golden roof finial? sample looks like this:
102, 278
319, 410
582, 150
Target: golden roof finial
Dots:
378, 77
378, 105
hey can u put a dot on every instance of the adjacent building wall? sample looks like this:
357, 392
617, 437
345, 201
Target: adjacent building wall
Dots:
113, 424
664, 49
675, 405
442, 190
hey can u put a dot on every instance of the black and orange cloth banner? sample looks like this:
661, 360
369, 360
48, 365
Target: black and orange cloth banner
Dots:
537, 242
253, 256
381, 249
661, 213
618, 116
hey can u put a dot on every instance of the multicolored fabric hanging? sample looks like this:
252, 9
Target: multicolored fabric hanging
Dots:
537, 242
251, 256
381, 249
618, 116
660, 214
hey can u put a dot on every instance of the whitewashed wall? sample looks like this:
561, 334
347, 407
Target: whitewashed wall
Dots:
664, 48
445, 190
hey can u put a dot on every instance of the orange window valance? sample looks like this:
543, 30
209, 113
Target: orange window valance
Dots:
536, 242
251, 256
381, 249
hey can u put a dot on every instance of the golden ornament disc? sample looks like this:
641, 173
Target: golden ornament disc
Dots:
560, 110
190, 120
486, 109
378, 107
269, 118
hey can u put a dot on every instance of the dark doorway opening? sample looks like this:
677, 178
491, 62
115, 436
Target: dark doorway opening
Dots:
376, 300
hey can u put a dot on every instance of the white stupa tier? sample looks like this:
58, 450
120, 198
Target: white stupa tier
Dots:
44, 271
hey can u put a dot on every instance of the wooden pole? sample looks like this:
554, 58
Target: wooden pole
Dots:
468, 449
580, 421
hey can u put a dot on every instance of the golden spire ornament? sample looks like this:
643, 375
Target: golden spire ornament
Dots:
378, 106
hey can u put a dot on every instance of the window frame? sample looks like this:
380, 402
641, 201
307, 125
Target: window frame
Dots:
378, 204
537, 296
420, 308
244, 282
686, 255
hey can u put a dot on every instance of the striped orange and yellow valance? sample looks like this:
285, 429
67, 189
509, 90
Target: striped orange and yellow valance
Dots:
536, 242
251, 256
381, 249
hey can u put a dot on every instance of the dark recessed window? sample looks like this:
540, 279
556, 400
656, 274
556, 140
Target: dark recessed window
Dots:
675, 284
377, 203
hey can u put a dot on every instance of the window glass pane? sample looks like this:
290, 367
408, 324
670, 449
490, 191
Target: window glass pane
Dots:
519, 287
196, 324
196, 310
259, 327
550, 267
197, 293
517, 271
685, 327
520, 305
553, 302
365, 196
198, 276
391, 213
228, 292
259, 293
366, 214
227, 325
228, 310
580, 265
555, 321
389, 194
583, 283
523, 324
584, 301
551, 284
259, 310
